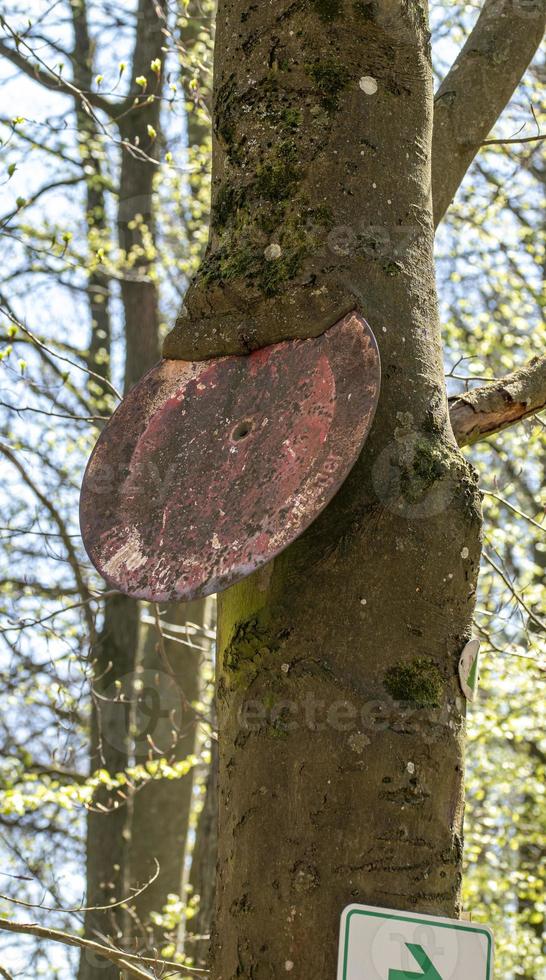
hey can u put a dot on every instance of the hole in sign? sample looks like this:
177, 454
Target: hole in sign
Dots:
241, 430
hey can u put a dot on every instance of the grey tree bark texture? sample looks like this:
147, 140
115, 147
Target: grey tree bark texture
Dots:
203, 868
165, 723
340, 713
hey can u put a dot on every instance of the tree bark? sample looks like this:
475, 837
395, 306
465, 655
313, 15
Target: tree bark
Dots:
341, 718
482, 412
203, 868
98, 288
136, 213
166, 724
107, 878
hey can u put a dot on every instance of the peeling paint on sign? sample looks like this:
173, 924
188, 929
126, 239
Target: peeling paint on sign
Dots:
209, 469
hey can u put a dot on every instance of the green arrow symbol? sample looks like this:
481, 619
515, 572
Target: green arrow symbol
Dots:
429, 971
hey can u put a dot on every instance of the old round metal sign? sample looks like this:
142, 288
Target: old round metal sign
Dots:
208, 469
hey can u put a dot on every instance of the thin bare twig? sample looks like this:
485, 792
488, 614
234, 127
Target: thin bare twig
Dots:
520, 513
128, 961
82, 908
38, 343
515, 139
22, 624
532, 616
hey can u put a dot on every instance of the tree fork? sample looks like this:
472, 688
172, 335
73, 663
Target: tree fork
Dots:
340, 713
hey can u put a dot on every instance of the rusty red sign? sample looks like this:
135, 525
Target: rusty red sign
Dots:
209, 469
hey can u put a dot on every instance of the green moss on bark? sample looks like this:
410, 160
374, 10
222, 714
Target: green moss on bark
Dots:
227, 202
366, 8
247, 261
248, 647
417, 681
292, 118
328, 10
253, 646
277, 175
225, 111
468, 491
330, 78
242, 254
430, 461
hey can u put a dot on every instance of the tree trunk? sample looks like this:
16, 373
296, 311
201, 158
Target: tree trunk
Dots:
113, 654
341, 718
98, 287
203, 868
136, 213
165, 724
109, 834
108, 819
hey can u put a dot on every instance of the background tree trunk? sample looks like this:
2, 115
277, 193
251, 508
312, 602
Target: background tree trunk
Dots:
136, 213
98, 290
132, 838
108, 820
167, 726
203, 868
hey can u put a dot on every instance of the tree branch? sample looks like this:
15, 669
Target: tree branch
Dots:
478, 87
484, 411
133, 964
517, 139
517, 595
53, 80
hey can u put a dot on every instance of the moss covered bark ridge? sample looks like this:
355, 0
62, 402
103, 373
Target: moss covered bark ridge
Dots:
298, 145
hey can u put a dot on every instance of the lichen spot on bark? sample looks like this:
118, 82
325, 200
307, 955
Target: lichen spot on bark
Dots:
368, 85
417, 681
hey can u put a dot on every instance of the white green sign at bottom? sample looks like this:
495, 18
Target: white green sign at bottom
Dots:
382, 944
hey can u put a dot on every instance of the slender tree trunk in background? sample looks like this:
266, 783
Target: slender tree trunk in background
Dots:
160, 812
202, 879
203, 868
138, 288
198, 16
531, 857
165, 724
107, 821
340, 713
98, 288
113, 654
109, 834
